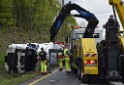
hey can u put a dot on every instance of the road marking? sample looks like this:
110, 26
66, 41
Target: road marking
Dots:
42, 78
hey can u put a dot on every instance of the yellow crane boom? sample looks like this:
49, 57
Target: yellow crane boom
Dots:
119, 6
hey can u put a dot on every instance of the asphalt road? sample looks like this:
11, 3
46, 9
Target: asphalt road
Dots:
62, 78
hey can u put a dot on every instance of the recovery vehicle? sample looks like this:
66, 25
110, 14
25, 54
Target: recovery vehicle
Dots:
85, 56
104, 60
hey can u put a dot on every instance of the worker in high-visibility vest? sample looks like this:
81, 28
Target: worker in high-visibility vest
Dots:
60, 59
67, 55
43, 59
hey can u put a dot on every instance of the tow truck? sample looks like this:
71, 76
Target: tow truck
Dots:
82, 47
104, 60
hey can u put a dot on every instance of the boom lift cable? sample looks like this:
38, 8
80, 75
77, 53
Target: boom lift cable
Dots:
114, 12
113, 8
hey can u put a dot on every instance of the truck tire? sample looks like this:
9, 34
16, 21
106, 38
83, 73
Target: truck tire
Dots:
122, 70
85, 79
79, 70
123, 77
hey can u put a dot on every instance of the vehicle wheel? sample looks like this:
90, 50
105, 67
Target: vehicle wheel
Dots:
123, 78
122, 70
79, 70
85, 79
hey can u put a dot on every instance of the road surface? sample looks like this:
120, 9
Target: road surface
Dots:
62, 78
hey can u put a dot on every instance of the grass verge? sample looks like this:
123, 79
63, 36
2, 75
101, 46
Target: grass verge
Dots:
16, 79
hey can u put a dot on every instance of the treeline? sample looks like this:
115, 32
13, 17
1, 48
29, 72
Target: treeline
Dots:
30, 15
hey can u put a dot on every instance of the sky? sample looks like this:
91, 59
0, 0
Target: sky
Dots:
100, 8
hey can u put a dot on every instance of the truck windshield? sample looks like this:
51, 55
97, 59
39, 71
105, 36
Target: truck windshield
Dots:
96, 35
80, 35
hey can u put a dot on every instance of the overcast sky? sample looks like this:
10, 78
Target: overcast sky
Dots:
100, 8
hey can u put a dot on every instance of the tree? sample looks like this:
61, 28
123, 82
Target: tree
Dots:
6, 16
32, 16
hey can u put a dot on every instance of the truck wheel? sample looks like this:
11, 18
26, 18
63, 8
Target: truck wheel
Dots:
85, 79
122, 70
79, 70
123, 78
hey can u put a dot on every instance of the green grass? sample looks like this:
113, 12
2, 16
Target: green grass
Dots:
16, 79
2, 61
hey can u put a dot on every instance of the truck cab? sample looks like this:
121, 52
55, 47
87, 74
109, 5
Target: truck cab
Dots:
78, 33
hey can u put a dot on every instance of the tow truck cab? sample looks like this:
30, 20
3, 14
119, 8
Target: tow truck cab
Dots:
78, 33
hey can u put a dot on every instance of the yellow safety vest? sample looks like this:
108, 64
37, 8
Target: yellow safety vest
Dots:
65, 53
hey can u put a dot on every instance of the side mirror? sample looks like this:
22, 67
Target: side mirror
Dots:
67, 39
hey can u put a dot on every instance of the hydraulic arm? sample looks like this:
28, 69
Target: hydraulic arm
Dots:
65, 11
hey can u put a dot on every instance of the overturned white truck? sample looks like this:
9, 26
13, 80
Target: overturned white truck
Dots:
21, 58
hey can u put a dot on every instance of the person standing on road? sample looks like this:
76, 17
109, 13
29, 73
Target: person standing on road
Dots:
60, 59
43, 58
67, 55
